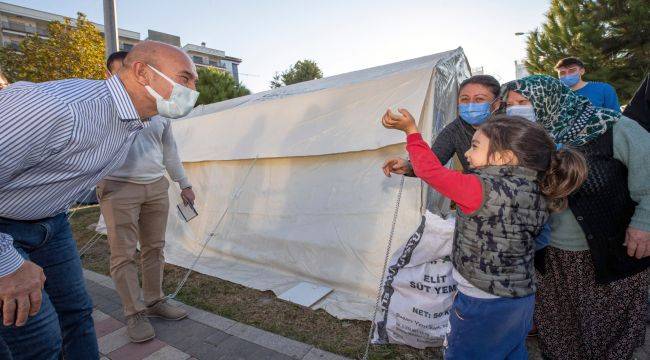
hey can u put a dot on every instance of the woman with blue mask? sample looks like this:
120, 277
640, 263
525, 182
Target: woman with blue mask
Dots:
518, 105
592, 289
477, 99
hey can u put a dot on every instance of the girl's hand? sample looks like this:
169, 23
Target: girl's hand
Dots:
396, 166
404, 122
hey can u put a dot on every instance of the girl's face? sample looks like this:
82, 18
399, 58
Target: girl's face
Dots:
477, 155
515, 98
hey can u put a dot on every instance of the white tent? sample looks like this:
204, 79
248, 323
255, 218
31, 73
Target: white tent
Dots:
316, 206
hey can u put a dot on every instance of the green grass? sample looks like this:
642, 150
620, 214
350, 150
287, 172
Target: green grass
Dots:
261, 309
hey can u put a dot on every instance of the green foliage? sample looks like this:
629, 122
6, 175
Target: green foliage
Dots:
612, 38
217, 85
69, 51
303, 70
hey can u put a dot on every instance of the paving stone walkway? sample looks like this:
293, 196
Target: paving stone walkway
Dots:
205, 336
202, 335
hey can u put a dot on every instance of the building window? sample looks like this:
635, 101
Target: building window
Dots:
197, 59
13, 45
22, 27
235, 71
126, 47
217, 63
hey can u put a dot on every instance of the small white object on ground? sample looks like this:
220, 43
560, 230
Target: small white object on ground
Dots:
305, 294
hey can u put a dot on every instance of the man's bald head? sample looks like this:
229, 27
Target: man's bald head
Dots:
136, 73
155, 53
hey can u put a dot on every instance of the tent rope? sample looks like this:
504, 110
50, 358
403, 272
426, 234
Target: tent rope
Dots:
90, 244
213, 232
79, 205
383, 272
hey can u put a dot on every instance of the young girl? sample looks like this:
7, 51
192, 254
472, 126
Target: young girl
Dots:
517, 177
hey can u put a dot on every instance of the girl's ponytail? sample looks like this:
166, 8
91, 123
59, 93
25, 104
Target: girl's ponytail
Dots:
561, 172
566, 174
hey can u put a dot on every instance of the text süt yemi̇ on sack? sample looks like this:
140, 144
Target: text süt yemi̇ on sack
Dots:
418, 288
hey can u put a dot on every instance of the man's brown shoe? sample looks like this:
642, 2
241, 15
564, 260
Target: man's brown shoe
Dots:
163, 309
138, 328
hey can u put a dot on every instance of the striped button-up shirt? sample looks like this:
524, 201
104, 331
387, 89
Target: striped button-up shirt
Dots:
56, 139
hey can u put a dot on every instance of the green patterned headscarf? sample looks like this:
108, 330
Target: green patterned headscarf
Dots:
567, 116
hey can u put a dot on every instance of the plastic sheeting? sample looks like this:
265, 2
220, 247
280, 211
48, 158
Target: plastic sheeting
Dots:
316, 206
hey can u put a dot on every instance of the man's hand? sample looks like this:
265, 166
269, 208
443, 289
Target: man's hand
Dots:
20, 294
637, 242
396, 166
188, 196
404, 122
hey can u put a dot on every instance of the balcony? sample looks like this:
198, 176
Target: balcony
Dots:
205, 62
23, 28
217, 64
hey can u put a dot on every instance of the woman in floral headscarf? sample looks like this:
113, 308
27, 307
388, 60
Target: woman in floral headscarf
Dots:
592, 291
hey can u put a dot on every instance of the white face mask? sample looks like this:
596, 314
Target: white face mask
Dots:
525, 111
180, 102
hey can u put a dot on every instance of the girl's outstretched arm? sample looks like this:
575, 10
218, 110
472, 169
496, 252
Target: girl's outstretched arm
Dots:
465, 189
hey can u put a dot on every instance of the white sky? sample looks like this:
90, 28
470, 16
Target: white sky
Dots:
341, 36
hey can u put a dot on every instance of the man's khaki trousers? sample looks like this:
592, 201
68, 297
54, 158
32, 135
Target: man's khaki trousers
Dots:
135, 212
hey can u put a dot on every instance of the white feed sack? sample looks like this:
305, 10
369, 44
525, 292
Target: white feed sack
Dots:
418, 288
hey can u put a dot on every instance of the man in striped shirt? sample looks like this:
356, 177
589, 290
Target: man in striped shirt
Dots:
56, 139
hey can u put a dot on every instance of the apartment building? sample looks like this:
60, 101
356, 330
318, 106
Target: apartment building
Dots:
16, 22
208, 57
202, 55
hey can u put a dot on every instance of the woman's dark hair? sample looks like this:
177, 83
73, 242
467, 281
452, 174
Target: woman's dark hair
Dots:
561, 172
486, 80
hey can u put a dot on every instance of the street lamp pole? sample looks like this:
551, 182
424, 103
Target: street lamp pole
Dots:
520, 69
110, 27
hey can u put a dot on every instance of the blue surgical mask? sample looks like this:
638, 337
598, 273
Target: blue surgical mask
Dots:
570, 80
474, 113
525, 111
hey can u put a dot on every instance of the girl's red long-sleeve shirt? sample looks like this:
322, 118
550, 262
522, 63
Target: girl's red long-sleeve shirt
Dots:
464, 189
